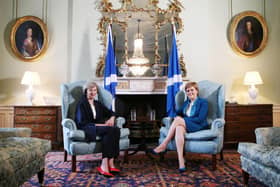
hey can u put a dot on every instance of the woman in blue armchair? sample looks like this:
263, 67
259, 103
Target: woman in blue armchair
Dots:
190, 117
95, 119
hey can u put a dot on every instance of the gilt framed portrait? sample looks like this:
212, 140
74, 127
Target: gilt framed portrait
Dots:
248, 33
29, 38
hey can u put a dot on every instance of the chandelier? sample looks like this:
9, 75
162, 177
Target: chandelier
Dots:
138, 63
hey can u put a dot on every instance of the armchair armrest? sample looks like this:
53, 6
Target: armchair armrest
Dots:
217, 123
78, 135
69, 123
120, 121
268, 136
72, 132
167, 121
15, 132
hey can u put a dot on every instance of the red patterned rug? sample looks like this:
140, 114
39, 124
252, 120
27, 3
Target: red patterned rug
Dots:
144, 171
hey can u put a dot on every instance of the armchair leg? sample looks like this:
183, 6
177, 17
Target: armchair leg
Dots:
125, 158
222, 154
40, 175
214, 162
65, 155
73, 163
245, 176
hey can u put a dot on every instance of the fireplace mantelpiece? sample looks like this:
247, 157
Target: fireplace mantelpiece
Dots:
140, 85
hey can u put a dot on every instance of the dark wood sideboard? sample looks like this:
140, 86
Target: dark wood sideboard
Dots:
45, 122
242, 120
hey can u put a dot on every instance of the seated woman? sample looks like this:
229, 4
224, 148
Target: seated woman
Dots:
190, 118
96, 120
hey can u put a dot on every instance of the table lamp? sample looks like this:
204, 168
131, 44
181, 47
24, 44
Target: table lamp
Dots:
30, 78
252, 78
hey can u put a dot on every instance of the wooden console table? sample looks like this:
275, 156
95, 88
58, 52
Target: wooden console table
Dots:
242, 120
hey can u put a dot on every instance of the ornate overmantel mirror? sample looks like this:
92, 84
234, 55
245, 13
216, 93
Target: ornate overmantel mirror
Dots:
140, 19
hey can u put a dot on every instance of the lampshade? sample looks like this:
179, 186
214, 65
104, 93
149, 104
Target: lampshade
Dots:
138, 63
252, 78
31, 78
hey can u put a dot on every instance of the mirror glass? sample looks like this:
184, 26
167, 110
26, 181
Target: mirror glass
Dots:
145, 17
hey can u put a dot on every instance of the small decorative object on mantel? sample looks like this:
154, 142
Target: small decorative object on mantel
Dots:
29, 38
248, 33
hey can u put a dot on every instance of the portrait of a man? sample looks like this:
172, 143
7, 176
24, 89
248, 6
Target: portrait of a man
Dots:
249, 34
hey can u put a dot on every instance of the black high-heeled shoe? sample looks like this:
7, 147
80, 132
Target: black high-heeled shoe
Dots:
152, 151
182, 170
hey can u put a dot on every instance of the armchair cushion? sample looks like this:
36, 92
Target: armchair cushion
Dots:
202, 135
268, 136
77, 135
265, 155
199, 135
21, 157
262, 159
15, 132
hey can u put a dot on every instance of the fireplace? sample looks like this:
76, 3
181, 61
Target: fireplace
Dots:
145, 107
142, 102
143, 114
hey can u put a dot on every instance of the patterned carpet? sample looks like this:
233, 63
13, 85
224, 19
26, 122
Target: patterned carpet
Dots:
144, 171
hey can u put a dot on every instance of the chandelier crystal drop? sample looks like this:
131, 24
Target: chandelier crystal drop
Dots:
138, 63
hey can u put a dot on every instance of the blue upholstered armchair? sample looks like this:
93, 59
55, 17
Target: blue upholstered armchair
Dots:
74, 139
262, 159
209, 141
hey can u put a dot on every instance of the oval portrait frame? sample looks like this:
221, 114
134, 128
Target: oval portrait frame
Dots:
21, 46
240, 41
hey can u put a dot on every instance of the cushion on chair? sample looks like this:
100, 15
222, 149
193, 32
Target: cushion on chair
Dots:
199, 135
266, 155
207, 134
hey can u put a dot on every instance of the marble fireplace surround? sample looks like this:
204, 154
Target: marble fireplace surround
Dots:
139, 85
141, 93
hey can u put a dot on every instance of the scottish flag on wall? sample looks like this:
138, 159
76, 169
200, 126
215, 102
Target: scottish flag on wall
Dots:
174, 77
110, 75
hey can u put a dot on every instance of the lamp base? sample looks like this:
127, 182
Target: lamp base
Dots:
30, 94
253, 94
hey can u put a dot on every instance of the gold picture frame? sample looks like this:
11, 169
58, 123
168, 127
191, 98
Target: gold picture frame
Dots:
248, 33
29, 38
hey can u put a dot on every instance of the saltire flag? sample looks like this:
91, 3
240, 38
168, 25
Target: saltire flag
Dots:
110, 70
174, 77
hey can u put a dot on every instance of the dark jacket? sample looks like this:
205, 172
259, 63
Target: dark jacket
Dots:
84, 117
198, 117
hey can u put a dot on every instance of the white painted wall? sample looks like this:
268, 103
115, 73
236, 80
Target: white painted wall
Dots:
74, 47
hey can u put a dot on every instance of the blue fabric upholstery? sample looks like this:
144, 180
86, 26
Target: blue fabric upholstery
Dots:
74, 139
262, 159
208, 141
21, 156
